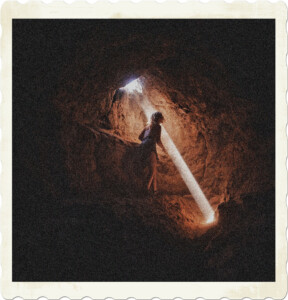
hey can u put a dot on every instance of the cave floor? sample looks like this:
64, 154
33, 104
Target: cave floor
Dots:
89, 242
138, 239
177, 215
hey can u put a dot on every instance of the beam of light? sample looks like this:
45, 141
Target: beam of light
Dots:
181, 166
134, 86
188, 177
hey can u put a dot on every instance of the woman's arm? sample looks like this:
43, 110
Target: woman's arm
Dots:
161, 146
159, 142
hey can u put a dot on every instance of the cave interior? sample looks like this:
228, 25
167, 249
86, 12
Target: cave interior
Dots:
78, 185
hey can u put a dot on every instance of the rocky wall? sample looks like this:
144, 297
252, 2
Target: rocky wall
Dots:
211, 128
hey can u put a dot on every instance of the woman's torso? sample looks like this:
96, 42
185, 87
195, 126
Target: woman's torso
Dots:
153, 132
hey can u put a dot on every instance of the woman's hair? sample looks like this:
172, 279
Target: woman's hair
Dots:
155, 117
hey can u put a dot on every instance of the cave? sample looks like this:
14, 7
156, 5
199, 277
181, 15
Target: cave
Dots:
83, 90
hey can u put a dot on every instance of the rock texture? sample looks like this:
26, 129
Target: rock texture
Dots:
77, 181
212, 128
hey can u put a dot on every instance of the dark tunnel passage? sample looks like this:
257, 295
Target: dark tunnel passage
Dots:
78, 188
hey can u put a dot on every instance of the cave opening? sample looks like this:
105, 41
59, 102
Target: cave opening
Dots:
134, 85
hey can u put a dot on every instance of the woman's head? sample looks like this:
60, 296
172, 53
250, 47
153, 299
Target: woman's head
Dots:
157, 117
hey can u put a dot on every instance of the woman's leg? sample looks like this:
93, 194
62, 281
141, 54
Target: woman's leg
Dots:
153, 170
155, 178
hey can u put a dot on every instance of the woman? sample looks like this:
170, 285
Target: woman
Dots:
150, 136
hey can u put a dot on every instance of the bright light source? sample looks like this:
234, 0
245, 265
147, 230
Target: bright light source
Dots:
134, 85
182, 167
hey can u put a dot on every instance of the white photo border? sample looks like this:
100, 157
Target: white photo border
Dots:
144, 290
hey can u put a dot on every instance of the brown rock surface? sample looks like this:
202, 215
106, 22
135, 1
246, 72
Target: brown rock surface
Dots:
211, 128
77, 183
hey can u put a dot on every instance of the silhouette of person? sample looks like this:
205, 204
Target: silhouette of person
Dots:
150, 136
